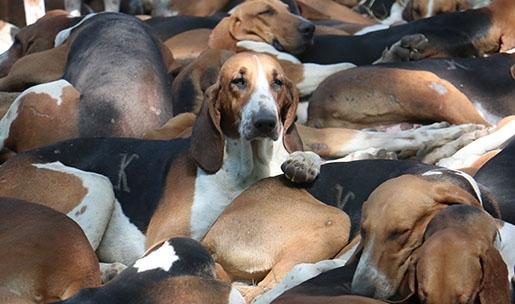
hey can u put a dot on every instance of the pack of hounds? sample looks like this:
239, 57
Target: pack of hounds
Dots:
257, 151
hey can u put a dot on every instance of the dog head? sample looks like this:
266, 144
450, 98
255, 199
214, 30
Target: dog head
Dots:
252, 99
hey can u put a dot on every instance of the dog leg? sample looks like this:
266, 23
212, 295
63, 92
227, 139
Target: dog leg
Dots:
122, 241
302, 167
467, 155
450, 148
338, 142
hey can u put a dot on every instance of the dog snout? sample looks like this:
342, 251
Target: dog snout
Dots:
361, 286
265, 123
307, 29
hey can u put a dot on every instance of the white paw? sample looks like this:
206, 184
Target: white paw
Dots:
302, 167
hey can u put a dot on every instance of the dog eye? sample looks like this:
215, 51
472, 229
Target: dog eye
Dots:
239, 82
277, 84
400, 236
268, 11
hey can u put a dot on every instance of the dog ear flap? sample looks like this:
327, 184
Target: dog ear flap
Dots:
207, 140
495, 287
292, 141
407, 287
449, 194
407, 13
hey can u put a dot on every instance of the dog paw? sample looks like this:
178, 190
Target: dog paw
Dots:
110, 270
302, 167
465, 136
409, 48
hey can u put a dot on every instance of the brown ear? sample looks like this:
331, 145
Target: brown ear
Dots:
238, 30
448, 194
207, 140
495, 288
292, 141
407, 12
407, 287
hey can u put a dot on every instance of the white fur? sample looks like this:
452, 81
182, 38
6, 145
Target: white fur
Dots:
430, 8
372, 28
487, 115
505, 243
314, 74
302, 112
162, 258
467, 177
95, 209
511, 51
122, 242
395, 14
366, 269
244, 163
235, 297
33, 10
296, 276
263, 47
467, 155
7, 33
64, 34
53, 89
433, 135
438, 88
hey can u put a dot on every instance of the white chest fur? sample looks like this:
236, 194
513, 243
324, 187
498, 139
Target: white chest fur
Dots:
244, 163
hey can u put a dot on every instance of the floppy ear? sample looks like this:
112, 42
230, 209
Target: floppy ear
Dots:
407, 287
495, 287
407, 12
449, 194
292, 141
238, 30
207, 140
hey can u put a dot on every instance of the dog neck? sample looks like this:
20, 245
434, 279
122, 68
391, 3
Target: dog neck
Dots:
221, 38
249, 161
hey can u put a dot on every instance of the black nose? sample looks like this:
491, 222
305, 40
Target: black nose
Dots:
265, 124
306, 28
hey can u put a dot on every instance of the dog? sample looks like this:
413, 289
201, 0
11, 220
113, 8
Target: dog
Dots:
179, 269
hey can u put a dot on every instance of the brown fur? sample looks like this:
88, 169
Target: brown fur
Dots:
36, 37
20, 172
328, 9
298, 220
368, 96
63, 263
405, 205
41, 121
247, 22
458, 261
